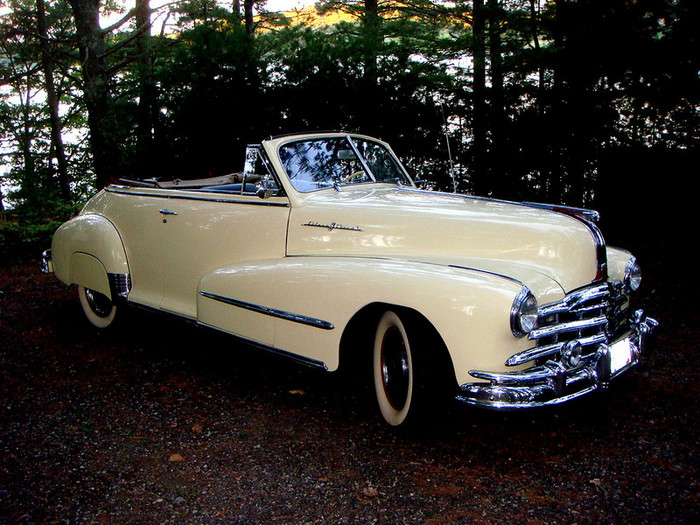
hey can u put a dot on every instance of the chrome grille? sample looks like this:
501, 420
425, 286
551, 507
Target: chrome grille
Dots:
590, 316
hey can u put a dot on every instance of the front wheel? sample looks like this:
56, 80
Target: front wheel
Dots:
395, 373
99, 309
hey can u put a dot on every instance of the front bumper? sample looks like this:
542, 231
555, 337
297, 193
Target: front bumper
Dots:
552, 383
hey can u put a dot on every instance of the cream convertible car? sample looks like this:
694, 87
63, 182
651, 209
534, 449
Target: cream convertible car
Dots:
323, 250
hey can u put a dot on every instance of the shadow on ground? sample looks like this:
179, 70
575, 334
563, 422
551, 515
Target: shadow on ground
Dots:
160, 422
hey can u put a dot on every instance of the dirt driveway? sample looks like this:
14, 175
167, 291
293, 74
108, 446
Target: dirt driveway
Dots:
163, 423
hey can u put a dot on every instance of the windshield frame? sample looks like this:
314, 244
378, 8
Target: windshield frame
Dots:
402, 180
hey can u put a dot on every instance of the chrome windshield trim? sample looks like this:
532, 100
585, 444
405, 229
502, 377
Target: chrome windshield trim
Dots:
272, 312
349, 137
362, 160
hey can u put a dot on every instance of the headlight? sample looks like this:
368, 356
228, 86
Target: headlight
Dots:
523, 314
633, 275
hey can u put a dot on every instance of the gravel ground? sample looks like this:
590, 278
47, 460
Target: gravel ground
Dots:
160, 422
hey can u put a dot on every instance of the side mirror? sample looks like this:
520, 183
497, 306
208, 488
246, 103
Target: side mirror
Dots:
263, 192
264, 189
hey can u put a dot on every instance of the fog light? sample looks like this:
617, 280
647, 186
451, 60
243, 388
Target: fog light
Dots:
571, 353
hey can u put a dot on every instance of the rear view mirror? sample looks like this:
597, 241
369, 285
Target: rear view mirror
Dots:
346, 154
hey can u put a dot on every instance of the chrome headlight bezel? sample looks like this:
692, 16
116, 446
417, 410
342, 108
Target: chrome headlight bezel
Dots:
633, 275
523, 313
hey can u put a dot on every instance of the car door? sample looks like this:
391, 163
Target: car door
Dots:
203, 233
135, 212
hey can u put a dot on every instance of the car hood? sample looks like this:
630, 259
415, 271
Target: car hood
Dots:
382, 221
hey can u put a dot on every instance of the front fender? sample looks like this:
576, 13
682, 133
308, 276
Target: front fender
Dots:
303, 304
88, 251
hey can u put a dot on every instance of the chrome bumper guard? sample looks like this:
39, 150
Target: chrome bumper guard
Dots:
553, 383
46, 263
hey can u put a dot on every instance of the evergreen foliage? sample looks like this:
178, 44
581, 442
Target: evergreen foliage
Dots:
540, 100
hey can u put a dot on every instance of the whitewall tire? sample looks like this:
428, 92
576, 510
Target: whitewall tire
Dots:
394, 370
98, 308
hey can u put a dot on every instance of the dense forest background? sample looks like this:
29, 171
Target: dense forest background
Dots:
590, 103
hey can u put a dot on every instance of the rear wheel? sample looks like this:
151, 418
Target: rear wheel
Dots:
99, 309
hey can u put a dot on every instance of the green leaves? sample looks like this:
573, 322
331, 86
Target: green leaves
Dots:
556, 83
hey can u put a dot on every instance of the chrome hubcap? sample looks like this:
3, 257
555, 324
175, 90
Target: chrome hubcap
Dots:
395, 368
100, 304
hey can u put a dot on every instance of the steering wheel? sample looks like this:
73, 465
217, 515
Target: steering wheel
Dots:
353, 176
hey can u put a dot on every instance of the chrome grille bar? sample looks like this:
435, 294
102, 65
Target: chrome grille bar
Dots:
571, 326
539, 352
575, 300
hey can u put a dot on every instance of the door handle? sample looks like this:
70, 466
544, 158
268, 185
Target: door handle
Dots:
165, 211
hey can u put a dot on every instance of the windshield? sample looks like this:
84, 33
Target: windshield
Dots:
336, 161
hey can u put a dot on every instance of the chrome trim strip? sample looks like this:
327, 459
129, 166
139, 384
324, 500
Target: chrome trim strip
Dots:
272, 312
307, 361
120, 285
119, 190
488, 272
589, 215
588, 218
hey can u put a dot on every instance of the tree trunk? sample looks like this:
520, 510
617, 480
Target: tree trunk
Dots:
52, 101
372, 39
369, 83
96, 90
479, 174
249, 17
147, 90
30, 180
236, 9
497, 121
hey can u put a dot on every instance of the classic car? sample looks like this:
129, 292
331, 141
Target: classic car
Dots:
324, 250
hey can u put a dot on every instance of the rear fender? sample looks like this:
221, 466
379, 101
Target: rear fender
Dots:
88, 251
